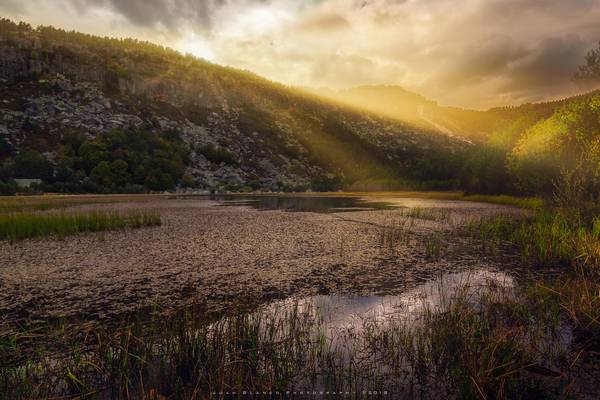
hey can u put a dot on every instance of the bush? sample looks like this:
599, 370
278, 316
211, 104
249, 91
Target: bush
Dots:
327, 183
8, 188
33, 165
217, 155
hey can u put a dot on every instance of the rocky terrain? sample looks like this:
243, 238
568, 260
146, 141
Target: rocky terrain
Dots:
274, 138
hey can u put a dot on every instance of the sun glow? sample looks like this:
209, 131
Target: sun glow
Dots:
196, 46
256, 21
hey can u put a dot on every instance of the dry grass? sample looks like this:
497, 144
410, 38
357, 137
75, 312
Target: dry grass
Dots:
11, 204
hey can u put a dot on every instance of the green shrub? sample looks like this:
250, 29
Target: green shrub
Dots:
120, 159
217, 154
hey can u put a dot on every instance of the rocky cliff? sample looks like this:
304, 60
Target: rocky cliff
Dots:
269, 136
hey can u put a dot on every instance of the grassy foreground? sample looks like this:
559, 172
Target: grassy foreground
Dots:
536, 341
16, 226
565, 238
485, 344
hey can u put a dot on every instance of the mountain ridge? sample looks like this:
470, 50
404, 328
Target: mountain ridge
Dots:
270, 136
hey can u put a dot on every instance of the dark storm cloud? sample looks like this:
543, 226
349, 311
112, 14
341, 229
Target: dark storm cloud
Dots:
476, 53
168, 13
552, 62
172, 14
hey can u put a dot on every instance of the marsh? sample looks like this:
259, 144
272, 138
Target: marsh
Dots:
219, 251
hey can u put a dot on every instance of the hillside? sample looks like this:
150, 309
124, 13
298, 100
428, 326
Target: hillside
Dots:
525, 149
84, 102
391, 101
531, 148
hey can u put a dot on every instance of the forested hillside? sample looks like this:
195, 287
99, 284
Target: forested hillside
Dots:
526, 149
531, 148
90, 114
85, 113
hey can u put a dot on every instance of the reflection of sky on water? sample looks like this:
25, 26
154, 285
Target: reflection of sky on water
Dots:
349, 312
411, 202
322, 204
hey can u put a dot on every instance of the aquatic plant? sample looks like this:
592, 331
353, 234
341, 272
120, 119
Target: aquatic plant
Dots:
16, 226
545, 237
475, 343
431, 214
50, 202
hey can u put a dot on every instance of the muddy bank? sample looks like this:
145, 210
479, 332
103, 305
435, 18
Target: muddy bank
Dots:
214, 255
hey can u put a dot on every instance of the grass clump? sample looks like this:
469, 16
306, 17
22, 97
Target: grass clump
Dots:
430, 214
521, 202
23, 225
546, 236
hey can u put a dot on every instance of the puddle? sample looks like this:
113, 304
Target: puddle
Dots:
357, 342
318, 204
341, 312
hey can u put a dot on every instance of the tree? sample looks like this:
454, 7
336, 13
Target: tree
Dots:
119, 173
5, 148
33, 165
102, 174
589, 73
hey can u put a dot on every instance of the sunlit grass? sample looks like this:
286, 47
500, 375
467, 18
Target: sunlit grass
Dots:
22, 225
546, 237
430, 214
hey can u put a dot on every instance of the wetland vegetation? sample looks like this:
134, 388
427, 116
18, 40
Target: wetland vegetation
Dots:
240, 282
481, 337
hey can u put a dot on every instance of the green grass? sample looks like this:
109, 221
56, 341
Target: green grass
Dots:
23, 225
546, 237
430, 214
521, 202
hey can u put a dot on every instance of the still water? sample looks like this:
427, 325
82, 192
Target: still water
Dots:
342, 312
319, 204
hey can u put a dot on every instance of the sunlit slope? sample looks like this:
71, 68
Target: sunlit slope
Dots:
568, 140
272, 133
390, 101
401, 104
533, 148
521, 149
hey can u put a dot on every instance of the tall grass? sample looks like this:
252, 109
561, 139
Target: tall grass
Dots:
24, 225
476, 345
11, 204
545, 237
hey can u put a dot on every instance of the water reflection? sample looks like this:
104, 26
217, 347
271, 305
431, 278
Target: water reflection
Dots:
320, 204
341, 312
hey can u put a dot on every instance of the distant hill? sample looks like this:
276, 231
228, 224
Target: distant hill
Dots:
521, 149
91, 114
241, 131
401, 104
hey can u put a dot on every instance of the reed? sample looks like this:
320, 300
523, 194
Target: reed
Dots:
475, 344
546, 237
23, 225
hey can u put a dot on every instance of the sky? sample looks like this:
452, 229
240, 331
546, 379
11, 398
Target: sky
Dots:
468, 53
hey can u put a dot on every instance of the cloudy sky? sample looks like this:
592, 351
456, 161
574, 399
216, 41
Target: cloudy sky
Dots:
474, 53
